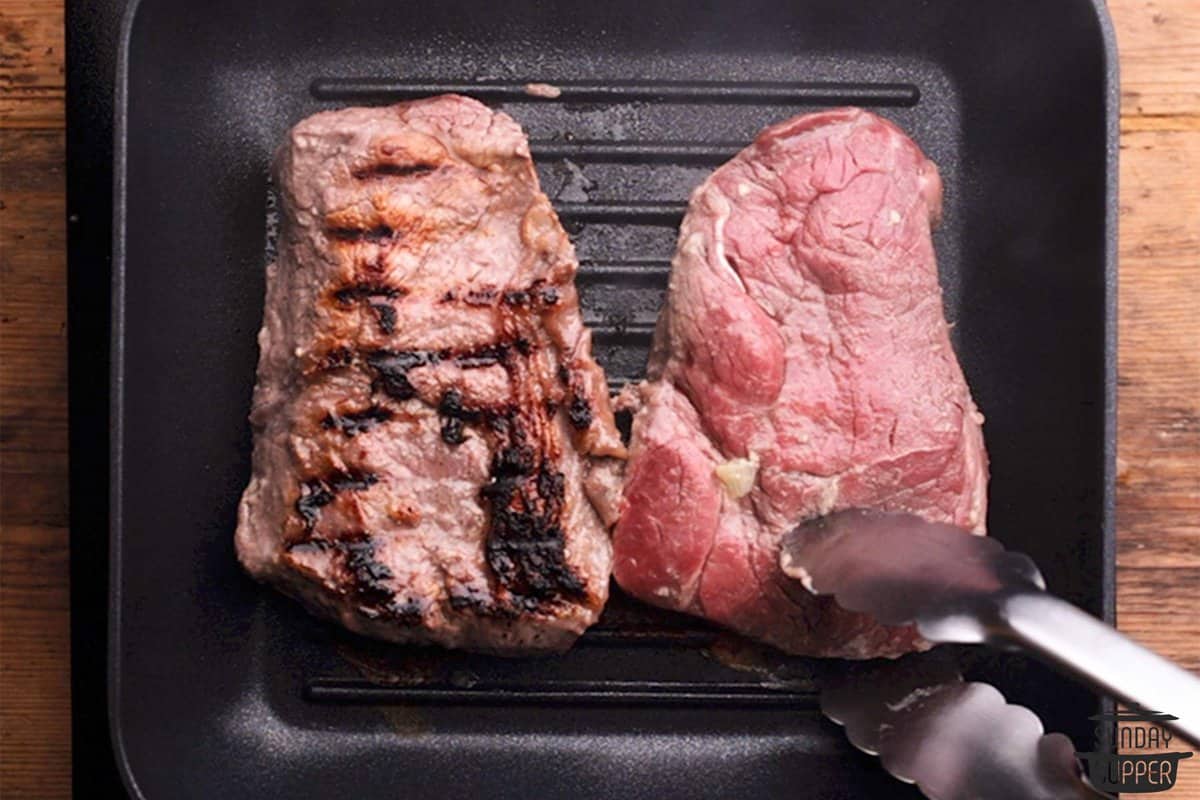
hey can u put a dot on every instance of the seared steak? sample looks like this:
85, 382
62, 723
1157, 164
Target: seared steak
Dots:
434, 445
802, 365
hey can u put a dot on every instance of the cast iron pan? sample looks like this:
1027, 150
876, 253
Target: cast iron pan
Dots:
207, 685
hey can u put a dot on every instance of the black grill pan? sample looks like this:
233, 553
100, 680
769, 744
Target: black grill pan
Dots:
216, 687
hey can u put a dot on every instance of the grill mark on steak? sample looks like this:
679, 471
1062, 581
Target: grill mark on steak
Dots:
391, 370
389, 169
314, 495
386, 316
363, 578
525, 544
537, 296
482, 603
468, 598
525, 496
362, 290
378, 234
485, 356
525, 547
579, 412
337, 358
317, 493
368, 582
351, 481
391, 367
452, 431
579, 409
480, 297
356, 422
454, 414
370, 576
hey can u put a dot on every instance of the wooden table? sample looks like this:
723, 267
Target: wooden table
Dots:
1158, 497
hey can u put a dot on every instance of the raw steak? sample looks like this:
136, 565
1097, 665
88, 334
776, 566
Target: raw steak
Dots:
802, 365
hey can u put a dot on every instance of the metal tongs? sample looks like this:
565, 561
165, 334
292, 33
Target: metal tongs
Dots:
953, 738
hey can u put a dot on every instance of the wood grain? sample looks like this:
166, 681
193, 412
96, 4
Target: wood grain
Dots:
32, 83
1159, 416
1158, 446
1159, 43
35, 735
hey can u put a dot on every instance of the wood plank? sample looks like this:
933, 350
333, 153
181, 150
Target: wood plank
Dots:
1159, 48
1158, 491
35, 735
1158, 501
1162, 618
39, 111
32, 72
33, 330
32, 57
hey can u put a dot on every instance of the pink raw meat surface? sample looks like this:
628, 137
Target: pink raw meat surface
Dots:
804, 333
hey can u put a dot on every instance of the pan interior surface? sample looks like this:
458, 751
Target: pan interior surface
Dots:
222, 688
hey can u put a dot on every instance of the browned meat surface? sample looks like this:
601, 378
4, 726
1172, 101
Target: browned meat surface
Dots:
435, 457
803, 365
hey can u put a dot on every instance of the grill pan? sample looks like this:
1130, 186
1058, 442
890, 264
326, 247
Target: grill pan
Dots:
208, 685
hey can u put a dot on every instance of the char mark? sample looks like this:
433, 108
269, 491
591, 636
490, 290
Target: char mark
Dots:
366, 577
391, 370
314, 495
357, 422
376, 235
480, 297
386, 316
451, 406
455, 416
480, 602
453, 432
352, 481
387, 169
317, 493
525, 545
350, 293
579, 412
339, 357
363, 578
391, 367
537, 294
485, 356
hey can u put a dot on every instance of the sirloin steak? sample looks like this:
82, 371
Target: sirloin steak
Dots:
802, 365
435, 458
